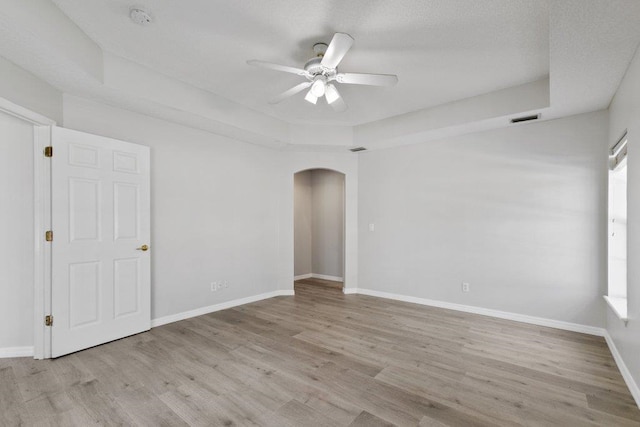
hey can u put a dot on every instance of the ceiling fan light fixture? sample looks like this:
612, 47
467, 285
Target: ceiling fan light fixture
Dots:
310, 97
322, 70
331, 94
319, 87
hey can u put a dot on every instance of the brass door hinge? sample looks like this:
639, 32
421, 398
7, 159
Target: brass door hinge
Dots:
48, 151
48, 320
48, 236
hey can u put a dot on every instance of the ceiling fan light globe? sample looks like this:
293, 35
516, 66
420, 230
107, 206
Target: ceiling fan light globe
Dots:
318, 88
310, 97
331, 94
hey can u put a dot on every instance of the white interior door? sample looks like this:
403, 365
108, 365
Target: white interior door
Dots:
100, 288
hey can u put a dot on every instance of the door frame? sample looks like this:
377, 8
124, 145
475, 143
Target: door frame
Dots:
42, 248
41, 220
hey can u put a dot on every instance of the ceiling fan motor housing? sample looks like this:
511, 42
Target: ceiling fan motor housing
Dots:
320, 49
314, 65
315, 68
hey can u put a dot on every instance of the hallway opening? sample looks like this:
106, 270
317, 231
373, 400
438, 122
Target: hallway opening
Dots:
319, 222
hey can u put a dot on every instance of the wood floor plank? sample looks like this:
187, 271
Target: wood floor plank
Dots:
617, 407
101, 407
11, 402
300, 414
146, 408
341, 411
366, 419
324, 358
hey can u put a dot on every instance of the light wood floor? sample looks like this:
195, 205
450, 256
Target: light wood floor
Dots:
319, 283
323, 358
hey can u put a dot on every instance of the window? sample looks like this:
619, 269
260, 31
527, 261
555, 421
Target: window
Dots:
617, 248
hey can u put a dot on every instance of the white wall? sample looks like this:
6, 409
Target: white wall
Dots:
327, 206
302, 223
624, 113
214, 209
16, 232
23, 88
519, 213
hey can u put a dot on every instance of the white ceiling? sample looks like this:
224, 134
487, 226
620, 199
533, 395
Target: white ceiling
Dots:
442, 50
464, 65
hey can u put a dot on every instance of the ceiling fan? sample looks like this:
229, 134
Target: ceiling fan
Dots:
322, 71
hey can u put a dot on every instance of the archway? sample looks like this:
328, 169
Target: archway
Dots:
319, 229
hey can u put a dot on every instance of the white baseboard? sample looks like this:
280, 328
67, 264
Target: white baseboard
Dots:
302, 277
540, 321
350, 291
326, 277
16, 352
217, 307
633, 387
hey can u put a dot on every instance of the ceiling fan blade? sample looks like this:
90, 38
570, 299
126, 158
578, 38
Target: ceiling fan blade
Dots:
367, 79
290, 92
334, 99
278, 67
340, 44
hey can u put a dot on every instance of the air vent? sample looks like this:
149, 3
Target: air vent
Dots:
355, 150
525, 118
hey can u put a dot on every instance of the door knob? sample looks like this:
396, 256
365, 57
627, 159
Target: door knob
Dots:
143, 248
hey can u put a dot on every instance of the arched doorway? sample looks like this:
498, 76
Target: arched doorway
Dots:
319, 229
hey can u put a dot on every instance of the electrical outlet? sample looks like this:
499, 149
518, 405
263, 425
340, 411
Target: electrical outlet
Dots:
216, 286
465, 287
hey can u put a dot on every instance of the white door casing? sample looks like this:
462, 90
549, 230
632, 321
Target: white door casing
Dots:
100, 289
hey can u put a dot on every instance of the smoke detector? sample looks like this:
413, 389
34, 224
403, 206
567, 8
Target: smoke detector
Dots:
139, 16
